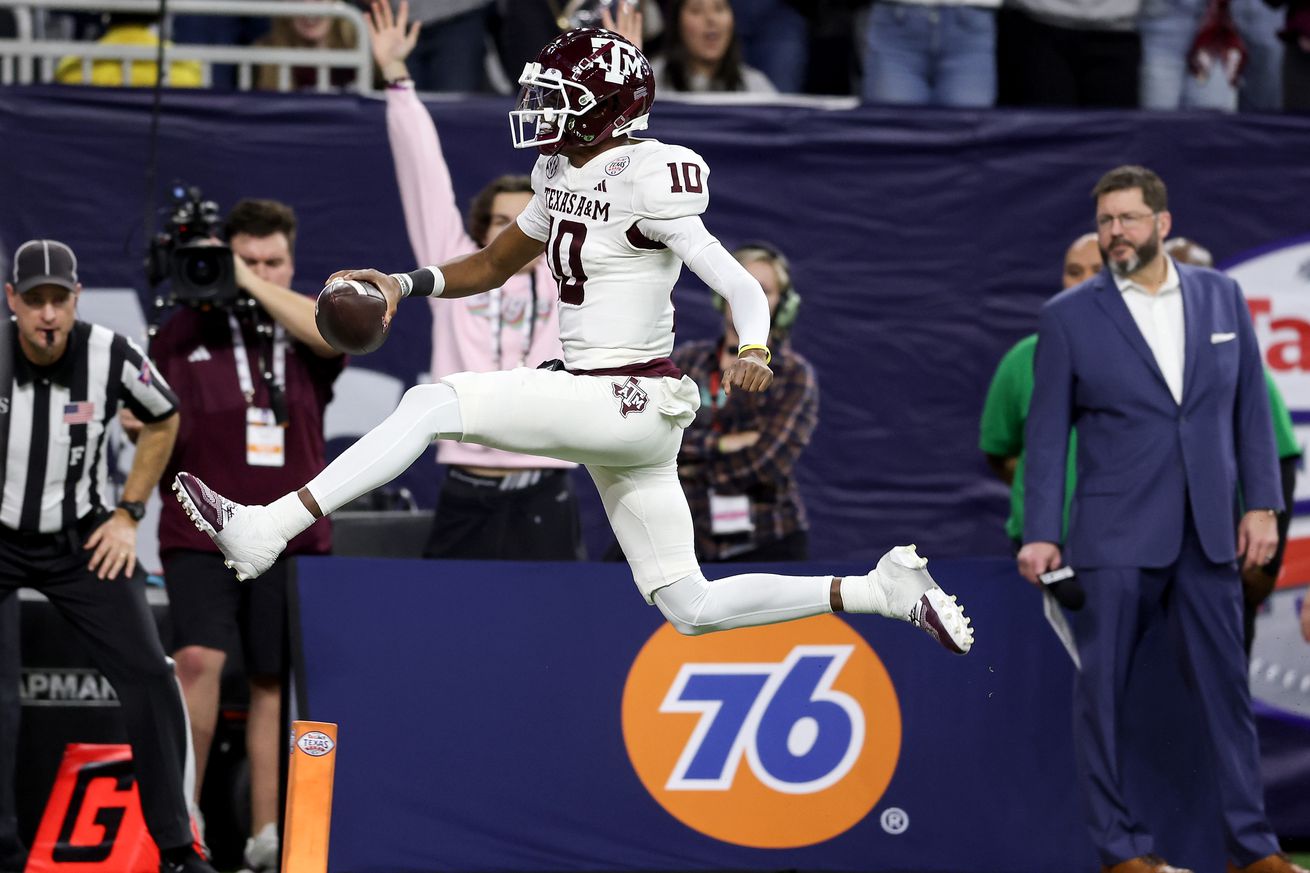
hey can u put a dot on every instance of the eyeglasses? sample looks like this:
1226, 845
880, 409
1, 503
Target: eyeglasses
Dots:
1128, 220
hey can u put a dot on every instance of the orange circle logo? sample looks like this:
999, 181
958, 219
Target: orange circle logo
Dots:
772, 737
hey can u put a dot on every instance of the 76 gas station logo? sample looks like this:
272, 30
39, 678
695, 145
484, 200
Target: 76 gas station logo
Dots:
773, 737
795, 732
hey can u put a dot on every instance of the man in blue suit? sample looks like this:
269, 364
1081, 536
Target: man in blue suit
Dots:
1157, 365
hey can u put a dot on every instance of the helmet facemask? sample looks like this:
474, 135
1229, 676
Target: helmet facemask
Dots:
546, 104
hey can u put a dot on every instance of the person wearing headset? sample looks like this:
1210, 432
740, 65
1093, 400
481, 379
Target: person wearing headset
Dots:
738, 458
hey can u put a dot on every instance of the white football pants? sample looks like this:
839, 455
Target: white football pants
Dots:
627, 431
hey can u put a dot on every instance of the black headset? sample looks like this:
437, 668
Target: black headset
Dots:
789, 304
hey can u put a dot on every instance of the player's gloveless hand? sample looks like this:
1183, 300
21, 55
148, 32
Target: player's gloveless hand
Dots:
748, 372
390, 287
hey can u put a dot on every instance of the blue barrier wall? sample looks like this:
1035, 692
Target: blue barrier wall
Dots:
498, 716
922, 240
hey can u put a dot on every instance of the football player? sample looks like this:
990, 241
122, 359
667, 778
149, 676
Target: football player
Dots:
617, 218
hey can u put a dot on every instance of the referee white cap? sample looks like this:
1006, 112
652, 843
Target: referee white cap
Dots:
44, 262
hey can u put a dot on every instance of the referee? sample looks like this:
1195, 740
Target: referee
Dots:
61, 382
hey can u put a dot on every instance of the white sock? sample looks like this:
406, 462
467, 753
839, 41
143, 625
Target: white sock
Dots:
865, 594
289, 515
425, 413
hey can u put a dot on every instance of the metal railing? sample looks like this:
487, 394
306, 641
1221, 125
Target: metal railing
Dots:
30, 58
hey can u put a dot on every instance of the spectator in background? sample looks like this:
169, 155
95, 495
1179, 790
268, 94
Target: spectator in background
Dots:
1209, 54
1068, 53
1173, 430
522, 27
1261, 88
130, 30
1296, 54
451, 53
931, 52
738, 458
220, 30
306, 31
775, 39
253, 388
702, 52
494, 505
1006, 409
1258, 581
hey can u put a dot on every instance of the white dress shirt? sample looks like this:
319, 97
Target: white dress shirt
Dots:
1159, 317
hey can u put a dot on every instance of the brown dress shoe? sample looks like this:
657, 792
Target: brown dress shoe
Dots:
1271, 864
1148, 864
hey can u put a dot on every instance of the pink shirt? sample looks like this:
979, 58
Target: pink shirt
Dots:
485, 332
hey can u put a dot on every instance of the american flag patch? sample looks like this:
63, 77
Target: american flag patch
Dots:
79, 413
145, 378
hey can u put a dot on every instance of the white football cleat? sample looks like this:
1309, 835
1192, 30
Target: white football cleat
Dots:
914, 596
244, 534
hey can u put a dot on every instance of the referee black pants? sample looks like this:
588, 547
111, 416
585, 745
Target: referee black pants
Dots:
113, 621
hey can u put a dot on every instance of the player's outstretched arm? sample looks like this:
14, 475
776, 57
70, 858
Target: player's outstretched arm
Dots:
491, 267
483, 270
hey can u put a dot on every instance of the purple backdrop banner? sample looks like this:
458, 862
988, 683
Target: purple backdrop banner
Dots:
923, 243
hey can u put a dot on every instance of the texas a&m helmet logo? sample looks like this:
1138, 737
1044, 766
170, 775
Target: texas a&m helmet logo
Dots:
631, 397
617, 58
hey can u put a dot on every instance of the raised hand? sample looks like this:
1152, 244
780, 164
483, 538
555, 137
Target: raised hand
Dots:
628, 22
391, 37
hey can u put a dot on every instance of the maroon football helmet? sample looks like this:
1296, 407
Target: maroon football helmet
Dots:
586, 85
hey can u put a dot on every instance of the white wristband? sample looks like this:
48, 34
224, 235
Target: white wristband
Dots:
438, 281
406, 284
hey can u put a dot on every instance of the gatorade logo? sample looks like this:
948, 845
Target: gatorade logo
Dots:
771, 737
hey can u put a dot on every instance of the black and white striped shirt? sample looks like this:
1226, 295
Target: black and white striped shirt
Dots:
56, 470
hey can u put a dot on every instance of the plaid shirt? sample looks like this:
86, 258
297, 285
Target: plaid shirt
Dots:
784, 416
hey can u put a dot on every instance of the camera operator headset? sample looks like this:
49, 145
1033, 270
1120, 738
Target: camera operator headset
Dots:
738, 456
243, 351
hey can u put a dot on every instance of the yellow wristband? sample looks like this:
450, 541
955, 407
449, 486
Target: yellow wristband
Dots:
768, 355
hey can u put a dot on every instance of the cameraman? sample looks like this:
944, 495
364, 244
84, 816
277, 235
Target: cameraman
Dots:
254, 382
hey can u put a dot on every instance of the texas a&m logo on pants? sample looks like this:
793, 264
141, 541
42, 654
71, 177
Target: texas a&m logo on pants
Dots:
630, 395
772, 737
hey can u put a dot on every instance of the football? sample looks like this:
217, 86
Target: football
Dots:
352, 316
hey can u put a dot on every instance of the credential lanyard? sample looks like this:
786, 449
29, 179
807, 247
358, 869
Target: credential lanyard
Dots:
245, 375
498, 318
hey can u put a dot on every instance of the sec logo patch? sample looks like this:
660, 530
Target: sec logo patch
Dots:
770, 737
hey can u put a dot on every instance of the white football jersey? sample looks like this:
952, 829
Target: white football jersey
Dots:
615, 285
